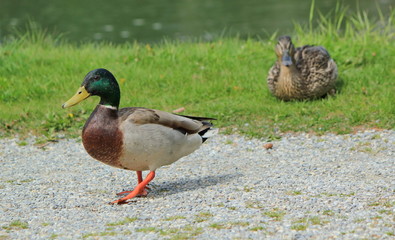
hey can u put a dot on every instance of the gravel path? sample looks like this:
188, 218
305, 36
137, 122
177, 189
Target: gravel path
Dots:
305, 187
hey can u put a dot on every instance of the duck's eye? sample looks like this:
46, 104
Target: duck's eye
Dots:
97, 77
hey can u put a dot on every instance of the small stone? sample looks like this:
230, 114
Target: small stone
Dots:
268, 145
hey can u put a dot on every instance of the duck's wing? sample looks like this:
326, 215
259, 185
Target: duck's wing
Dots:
316, 67
272, 77
184, 124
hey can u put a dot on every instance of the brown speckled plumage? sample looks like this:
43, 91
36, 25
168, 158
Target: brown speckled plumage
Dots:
311, 74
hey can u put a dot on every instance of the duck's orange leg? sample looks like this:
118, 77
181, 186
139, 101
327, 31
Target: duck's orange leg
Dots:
138, 190
139, 180
139, 176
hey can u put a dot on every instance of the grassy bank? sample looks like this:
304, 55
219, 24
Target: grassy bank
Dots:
225, 79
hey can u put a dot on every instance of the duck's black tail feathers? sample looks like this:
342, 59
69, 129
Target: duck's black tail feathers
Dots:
208, 131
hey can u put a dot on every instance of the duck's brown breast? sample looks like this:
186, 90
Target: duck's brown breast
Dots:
290, 84
101, 136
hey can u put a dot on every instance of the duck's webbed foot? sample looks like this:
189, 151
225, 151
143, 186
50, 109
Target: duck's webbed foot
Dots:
144, 193
139, 190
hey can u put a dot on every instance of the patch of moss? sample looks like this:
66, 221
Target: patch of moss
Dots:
203, 216
275, 214
16, 225
123, 222
294, 193
228, 142
359, 220
218, 226
100, 234
328, 213
247, 189
258, 228
389, 204
315, 220
186, 232
254, 204
54, 236
174, 218
299, 227
385, 211
240, 223
147, 229
22, 143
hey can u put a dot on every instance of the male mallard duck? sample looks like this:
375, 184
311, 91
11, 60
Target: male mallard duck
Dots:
135, 138
303, 73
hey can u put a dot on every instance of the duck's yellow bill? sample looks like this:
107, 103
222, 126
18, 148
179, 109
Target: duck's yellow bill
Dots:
78, 97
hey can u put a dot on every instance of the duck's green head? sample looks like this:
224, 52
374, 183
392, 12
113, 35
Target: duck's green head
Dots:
99, 82
285, 50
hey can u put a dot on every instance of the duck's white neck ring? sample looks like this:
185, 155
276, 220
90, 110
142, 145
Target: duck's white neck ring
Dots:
110, 107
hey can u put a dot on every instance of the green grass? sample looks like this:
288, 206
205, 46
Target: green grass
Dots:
172, 218
203, 216
328, 213
54, 236
275, 214
258, 228
185, 232
254, 204
299, 227
218, 226
225, 79
16, 225
147, 229
127, 220
315, 220
294, 193
104, 234
302, 224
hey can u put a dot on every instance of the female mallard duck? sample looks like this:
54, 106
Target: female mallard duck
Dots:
303, 73
135, 138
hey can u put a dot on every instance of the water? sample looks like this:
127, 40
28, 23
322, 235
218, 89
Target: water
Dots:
151, 21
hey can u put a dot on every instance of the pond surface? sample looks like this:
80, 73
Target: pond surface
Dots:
153, 20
